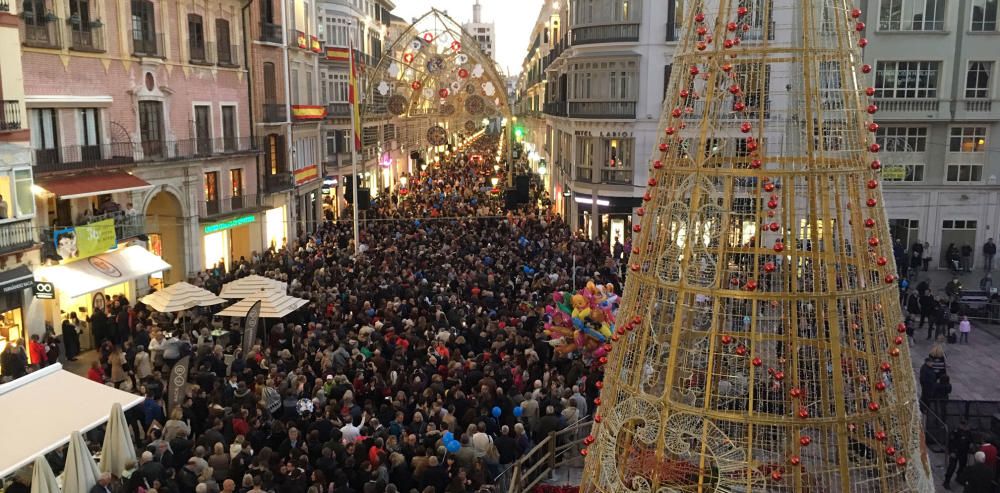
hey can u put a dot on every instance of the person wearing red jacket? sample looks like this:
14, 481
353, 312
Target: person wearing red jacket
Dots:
37, 351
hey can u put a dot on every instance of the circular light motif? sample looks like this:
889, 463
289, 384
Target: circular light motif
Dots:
428, 37
408, 58
456, 46
463, 73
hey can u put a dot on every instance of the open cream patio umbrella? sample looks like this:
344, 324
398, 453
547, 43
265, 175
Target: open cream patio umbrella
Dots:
42, 478
118, 449
181, 296
81, 471
273, 304
251, 285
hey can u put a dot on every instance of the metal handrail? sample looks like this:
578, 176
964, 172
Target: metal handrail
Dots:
543, 466
931, 415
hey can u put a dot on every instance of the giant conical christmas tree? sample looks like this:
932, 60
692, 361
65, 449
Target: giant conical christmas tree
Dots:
759, 346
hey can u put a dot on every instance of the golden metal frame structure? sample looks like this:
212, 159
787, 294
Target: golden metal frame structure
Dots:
760, 345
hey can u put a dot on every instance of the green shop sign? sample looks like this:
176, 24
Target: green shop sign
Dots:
232, 223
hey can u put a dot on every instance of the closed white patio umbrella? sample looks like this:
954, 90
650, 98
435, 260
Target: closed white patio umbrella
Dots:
181, 296
42, 478
81, 471
251, 285
118, 449
273, 304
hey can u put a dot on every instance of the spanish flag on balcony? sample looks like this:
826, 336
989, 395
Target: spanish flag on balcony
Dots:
336, 54
302, 40
306, 175
308, 112
314, 43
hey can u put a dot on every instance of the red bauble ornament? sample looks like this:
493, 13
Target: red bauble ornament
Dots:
640, 211
873, 127
739, 106
726, 67
637, 228
731, 26
889, 279
860, 26
699, 17
701, 30
443, 92
873, 241
597, 401
746, 127
634, 267
871, 202
794, 460
880, 436
873, 406
635, 250
880, 386
774, 227
872, 109
741, 11
701, 46
901, 461
727, 340
756, 362
863, 42
416, 85
740, 350
597, 418
779, 375
855, 12
670, 130
890, 451
867, 69
803, 413
583, 452
874, 147
646, 197
684, 93
734, 89
664, 146
677, 112
751, 285
755, 164
795, 392
769, 187
657, 164
603, 360
693, 70
869, 223
771, 204
727, 43
885, 366
870, 91
804, 440
769, 267
901, 327
776, 475
779, 246
463, 73
652, 182
894, 352
876, 165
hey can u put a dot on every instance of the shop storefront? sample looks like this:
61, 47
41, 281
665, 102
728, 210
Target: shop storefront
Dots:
227, 240
614, 216
275, 227
86, 285
15, 284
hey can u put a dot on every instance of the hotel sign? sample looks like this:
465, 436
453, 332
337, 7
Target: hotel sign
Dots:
232, 223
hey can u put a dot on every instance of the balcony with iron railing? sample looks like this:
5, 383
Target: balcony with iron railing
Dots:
120, 154
147, 44
4, 6
602, 109
608, 33
616, 176
584, 174
87, 38
274, 113
228, 205
10, 115
127, 226
977, 110
278, 182
338, 110
16, 234
555, 108
270, 33
40, 32
226, 55
201, 53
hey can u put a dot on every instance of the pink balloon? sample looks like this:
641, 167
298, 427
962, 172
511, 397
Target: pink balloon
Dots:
549, 309
600, 351
557, 297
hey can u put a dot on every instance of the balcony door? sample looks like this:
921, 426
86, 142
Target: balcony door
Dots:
90, 134
45, 135
196, 38
79, 11
229, 128
212, 193
222, 40
143, 27
236, 180
35, 28
203, 129
151, 128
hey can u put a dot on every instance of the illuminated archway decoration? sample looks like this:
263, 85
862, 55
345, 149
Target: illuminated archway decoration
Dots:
435, 75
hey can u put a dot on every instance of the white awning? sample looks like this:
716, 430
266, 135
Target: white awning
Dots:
100, 271
43, 408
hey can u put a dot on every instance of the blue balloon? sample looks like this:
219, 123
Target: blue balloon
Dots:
370, 312
416, 222
453, 446
496, 411
527, 270
518, 411
448, 437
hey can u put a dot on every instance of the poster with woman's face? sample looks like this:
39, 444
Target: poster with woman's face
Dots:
99, 302
66, 243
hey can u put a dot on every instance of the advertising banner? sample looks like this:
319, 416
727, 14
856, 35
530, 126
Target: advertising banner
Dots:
85, 241
250, 328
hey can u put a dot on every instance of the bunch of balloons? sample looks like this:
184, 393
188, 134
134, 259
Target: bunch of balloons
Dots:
582, 321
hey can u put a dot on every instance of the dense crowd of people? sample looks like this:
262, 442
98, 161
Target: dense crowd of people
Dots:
418, 365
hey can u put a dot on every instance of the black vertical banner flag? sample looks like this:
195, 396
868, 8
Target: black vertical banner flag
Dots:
250, 328
177, 384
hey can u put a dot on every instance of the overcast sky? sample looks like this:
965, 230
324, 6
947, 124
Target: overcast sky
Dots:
514, 20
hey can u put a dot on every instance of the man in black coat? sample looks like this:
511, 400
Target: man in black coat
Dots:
977, 478
928, 380
958, 452
506, 447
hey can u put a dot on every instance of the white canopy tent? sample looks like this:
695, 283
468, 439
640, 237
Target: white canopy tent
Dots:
42, 478
251, 285
49, 405
81, 471
181, 296
273, 304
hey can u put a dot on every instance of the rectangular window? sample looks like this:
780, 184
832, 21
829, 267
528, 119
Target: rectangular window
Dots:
911, 15
236, 180
977, 80
666, 79
211, 186
229, 128
89, 129
225, 50
295, 86
964, 172
144, 39
203, 129
903, 172
902, 139
151, 127
906, 80
309, 87
984, 15
45, 135
967, 139
23, 197
196, 38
